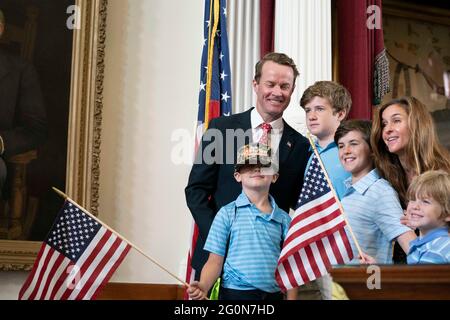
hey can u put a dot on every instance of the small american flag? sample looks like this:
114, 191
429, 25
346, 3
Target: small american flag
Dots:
316, 238
76, 259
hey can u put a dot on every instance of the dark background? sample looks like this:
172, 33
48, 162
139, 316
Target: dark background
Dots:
52, 60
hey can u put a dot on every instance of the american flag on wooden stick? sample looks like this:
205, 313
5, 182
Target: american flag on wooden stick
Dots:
316, 238
76, 259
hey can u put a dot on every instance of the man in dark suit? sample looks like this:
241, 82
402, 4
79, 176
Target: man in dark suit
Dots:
23, 123
211, 184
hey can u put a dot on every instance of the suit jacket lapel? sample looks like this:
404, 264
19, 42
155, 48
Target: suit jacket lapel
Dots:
244, 120
287, 142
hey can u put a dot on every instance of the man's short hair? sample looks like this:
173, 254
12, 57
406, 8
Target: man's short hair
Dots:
336, 94
279, 58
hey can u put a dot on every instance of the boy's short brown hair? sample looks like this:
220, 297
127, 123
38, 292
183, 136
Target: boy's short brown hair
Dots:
434, 184
336, 94
363, 126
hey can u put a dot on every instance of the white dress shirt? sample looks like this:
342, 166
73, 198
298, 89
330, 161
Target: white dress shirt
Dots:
275, 134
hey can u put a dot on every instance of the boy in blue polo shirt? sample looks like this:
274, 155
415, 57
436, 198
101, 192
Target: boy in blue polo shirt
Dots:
429, 211
371, 204
246, 235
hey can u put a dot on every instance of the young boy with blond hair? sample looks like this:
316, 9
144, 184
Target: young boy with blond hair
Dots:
428, 211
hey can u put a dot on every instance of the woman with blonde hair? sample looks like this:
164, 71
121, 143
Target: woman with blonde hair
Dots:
405, 143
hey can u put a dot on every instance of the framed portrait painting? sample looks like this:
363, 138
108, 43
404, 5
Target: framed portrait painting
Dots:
64, 42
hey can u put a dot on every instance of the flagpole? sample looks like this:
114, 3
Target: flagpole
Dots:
313, 145
65, 196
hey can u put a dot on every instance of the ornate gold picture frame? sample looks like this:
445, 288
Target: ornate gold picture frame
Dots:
84, 129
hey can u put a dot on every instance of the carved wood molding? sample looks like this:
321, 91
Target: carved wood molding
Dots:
18, 255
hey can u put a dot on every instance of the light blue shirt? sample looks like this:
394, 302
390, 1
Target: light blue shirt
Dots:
334, 168
254, 247
433, 248
373, 211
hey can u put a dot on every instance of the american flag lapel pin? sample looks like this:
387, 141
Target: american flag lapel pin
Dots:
289, 144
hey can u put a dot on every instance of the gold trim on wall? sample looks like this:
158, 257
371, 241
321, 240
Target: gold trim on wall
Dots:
84, 133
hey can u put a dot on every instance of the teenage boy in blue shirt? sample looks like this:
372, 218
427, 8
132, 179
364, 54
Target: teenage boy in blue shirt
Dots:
326, 104
246, 235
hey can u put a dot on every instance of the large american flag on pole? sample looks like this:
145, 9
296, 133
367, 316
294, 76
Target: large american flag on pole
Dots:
215, 84
316, 238
78, 257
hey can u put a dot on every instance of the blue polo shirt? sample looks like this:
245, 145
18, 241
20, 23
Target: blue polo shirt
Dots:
373, 211
432, 248
254, 246
335, 170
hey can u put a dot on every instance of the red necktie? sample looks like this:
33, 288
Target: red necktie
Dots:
265, 138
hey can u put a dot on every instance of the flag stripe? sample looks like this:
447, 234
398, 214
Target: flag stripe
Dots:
60, 267
102, 269
329, 251
306, 265
334, 247
323, 253
312, 261
313, 220
61, 282
301, 271
123, 249
282, 277
48, 275
293, 272
32, 279
346, 243
92, 271
41, 274
311, 209
321, 267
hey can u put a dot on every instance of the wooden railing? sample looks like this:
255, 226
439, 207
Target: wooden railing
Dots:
396, 282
